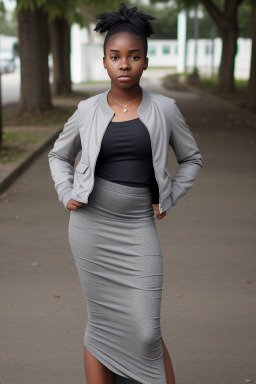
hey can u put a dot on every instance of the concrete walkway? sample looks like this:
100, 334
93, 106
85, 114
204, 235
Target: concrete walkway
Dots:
208, 243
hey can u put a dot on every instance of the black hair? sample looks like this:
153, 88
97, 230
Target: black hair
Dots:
125, 20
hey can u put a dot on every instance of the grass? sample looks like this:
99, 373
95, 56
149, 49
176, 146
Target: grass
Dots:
210, 84
11, 117
58, 114
22, 130
15, 143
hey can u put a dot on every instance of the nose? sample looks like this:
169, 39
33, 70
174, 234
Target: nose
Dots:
124, 65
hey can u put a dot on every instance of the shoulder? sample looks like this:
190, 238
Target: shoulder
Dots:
168, 106
164, 102
89, 103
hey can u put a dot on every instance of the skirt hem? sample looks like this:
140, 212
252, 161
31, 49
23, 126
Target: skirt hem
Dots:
105, 361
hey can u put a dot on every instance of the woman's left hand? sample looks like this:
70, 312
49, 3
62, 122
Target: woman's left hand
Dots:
156, 211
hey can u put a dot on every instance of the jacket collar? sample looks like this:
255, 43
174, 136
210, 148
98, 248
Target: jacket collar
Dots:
145, 102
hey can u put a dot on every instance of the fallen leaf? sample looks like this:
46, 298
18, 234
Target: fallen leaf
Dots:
249, 282
17, 217
194, 218
9, 306
35, 264
4, 195
248, 381
56, 296
25, 181
178, 295
6, 201
191, 198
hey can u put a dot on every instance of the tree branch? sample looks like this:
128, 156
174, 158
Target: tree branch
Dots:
217, 16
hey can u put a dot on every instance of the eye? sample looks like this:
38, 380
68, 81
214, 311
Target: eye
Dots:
113, 57
135, 57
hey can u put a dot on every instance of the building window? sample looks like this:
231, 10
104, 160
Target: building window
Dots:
166, 49
152, 50
176, 49
207, 49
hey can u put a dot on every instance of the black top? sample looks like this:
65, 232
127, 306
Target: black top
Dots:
125, 156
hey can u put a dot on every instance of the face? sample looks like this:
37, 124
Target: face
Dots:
125, 60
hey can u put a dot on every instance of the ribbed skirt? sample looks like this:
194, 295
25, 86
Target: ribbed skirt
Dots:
118, 257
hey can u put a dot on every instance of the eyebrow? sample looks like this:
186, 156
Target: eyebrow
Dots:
130, 51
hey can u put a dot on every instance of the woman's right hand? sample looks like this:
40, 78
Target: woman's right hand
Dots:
73, 204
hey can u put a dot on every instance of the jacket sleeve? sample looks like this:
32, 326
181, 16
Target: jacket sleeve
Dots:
62, 158
187, 154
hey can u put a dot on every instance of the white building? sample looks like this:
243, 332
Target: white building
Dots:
87, 55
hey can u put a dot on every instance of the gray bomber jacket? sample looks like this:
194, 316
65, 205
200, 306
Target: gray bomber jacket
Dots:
85, 130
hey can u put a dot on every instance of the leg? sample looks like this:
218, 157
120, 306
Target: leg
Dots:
168, 365
95, 371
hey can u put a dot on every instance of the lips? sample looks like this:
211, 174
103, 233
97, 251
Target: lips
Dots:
124, 77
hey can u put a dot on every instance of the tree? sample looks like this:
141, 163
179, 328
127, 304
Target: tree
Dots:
252, 81
33, 16
61, 15
227, 23
60, 47
34, 48
226, 20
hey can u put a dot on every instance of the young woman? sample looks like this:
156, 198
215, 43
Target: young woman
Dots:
120, 185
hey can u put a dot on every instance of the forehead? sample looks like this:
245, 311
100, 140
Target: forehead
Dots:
124, 41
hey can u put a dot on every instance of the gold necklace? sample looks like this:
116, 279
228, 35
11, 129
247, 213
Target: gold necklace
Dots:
125, 106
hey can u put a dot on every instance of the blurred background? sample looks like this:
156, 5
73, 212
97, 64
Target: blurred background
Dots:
46, 46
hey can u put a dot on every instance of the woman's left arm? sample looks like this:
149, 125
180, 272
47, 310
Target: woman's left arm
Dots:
187, 153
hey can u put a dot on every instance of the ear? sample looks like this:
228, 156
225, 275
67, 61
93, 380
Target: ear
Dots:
146, 64
104, 61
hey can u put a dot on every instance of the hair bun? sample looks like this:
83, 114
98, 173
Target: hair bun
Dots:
125, 15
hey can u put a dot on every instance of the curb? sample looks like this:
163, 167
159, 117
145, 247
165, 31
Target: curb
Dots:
7, 181
249, 117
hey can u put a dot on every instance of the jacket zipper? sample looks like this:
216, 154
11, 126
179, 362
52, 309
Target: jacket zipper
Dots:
160, 206
97, 157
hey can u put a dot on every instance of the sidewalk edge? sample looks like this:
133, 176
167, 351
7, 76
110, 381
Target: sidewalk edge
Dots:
249, 117
9, 179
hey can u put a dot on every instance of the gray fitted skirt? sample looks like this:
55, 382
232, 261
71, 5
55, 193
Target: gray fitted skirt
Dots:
118, 257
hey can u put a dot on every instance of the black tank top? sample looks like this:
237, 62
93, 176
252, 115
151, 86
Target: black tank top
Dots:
125, 156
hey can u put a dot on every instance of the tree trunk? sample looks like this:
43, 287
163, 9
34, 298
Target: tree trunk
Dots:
227, 65
34, 49
252, 81
60, 48
227, 24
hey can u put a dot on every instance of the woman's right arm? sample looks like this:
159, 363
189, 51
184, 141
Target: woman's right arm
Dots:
62, 158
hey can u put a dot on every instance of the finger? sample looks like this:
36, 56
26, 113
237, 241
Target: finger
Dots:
73, 206
160, 216
77, 203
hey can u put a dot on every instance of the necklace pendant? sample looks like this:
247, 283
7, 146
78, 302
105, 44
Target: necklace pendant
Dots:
125, 109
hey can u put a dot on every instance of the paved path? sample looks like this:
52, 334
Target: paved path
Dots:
208, 243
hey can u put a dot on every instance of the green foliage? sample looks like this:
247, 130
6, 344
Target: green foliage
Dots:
207, 27
2, 8
71, 10
245, 19
165, 25
8, 26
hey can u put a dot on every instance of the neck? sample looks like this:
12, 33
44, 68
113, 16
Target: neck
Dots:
126, 94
